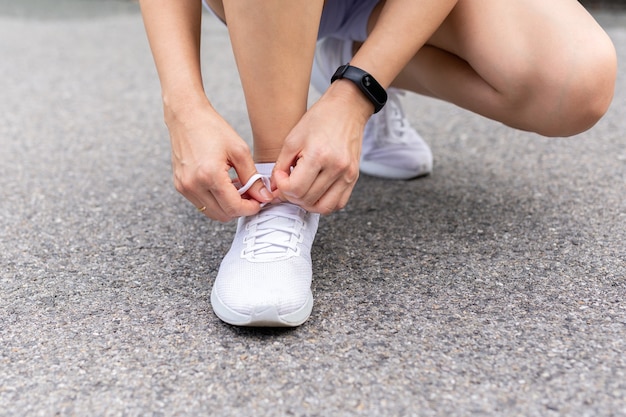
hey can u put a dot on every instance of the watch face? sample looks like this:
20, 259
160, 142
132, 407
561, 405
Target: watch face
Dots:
374, 88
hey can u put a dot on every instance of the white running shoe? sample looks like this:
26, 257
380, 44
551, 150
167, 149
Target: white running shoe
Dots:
391, 147
265, 278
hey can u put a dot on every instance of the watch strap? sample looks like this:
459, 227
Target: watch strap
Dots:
365, 82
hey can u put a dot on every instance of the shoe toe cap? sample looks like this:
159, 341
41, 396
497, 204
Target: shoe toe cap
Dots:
260, 286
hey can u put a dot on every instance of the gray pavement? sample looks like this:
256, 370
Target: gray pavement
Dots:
496, 286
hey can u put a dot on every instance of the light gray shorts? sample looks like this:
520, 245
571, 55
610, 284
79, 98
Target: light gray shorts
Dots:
346, 19
343, 19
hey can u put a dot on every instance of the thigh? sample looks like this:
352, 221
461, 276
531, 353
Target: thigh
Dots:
508, 41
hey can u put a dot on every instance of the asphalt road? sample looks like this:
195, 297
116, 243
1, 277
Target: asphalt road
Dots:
496, 286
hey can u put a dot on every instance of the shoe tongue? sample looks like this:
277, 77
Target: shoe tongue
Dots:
282, 210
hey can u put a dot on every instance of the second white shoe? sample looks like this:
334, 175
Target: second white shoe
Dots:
391, 147
265, 278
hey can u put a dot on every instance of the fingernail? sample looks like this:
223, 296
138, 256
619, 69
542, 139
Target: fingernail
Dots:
266, 194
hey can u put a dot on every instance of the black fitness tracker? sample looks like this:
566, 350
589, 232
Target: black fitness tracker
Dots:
365, 82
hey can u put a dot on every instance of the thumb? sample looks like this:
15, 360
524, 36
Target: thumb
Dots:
280, 182
248, 178
257, 188
285, 163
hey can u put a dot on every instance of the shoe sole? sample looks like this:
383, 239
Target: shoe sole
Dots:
265, 316
385, 171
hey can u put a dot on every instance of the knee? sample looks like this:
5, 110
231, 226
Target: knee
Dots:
585, 96
571, 93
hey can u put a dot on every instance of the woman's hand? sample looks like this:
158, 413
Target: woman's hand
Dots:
324, 150
204, 148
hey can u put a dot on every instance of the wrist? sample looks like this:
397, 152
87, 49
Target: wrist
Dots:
185, 107
367, 84
353, 97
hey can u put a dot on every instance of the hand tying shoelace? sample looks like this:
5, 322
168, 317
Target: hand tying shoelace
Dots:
274, 233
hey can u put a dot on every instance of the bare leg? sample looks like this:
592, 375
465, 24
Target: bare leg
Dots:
273, 42
540, 66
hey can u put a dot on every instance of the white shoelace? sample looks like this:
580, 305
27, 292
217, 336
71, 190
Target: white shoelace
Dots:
252, 180
275, 232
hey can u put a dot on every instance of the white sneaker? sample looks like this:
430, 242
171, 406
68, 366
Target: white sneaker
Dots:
391, 147
265, 278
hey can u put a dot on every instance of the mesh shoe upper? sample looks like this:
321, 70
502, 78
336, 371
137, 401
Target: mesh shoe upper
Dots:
268, 265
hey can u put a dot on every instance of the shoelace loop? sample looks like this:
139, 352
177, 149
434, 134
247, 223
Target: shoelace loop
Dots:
242, 189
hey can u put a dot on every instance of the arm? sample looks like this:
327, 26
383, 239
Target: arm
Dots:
204, 146
173, 30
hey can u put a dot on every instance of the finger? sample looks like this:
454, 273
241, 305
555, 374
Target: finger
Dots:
256, 188
196, 189
334, 199
282, 178
295, 185
330, 191
342, 177
222, 201
244, 166
209, 207
320, 185
287, 159
231, 202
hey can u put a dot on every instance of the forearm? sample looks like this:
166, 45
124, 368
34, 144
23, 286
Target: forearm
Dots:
173, 29
402, 28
